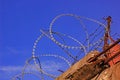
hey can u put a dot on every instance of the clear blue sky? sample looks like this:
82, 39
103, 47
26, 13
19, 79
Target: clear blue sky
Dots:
21, 21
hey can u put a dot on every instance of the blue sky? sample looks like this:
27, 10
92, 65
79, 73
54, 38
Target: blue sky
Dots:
21, 21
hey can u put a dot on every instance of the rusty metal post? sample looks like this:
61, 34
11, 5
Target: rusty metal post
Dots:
107, 35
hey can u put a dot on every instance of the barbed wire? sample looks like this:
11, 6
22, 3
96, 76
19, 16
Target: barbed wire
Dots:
63, 46
19, 76
39, 67
77, 17
36, 59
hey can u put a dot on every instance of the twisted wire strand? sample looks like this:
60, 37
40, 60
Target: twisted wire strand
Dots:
95, 31
90, 41
87, 36
94, 44
97, 42
95, 35
99, 46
